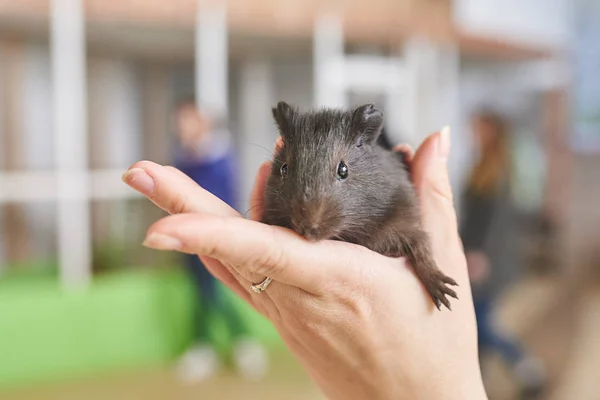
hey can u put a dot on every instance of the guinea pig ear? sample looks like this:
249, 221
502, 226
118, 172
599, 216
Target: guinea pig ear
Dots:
284, 115
367, 123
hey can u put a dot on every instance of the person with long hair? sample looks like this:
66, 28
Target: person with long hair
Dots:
488, 232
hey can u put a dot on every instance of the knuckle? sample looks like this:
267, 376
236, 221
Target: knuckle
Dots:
354, 296
310, 318
270, 261
315, 329
177, 205
210, 250
360, 308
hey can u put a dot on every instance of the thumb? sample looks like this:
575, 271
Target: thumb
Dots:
430, 168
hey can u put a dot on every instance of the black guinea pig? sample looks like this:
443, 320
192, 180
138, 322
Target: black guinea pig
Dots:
332, 179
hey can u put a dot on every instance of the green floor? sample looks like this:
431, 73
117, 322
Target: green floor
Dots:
128, 320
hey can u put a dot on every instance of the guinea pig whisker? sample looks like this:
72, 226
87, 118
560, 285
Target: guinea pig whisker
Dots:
245, 214
262, 147
271, 156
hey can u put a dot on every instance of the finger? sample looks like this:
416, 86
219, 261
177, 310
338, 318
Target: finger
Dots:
173, 191
261, 250
258, 191
278, 144
405, 149
430, 176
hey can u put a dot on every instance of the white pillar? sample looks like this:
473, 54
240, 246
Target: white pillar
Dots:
36, 117
328, 60
2, 88
395, 99
70, 139
212, 56
258, 131
431, 88
410, 94
123, 126
448, 113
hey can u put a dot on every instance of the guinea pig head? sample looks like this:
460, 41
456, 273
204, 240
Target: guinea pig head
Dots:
319, 182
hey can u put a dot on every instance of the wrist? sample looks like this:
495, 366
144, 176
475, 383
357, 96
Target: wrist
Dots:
472, 389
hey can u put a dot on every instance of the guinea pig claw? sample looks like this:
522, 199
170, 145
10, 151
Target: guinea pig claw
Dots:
449, 292
449, 281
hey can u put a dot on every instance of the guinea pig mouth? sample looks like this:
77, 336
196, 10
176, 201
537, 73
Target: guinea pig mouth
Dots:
311, 232
313, 235
315, 221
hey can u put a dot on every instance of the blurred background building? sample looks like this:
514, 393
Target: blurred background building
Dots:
87, 87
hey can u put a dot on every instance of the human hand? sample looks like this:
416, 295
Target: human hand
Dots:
361, 323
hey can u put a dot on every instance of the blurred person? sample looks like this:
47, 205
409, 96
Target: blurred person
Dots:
205, 154
488, 230
360, 323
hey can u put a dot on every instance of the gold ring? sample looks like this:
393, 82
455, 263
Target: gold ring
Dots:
261, 287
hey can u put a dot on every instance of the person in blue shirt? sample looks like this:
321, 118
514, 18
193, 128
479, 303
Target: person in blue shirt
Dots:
205, 153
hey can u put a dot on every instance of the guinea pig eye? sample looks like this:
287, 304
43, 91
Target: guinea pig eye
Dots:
342, 171
283, 170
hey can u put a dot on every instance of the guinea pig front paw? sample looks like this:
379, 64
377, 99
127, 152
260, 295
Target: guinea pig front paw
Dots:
437, 287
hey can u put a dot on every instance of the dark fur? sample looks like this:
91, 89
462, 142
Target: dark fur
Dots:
376, 206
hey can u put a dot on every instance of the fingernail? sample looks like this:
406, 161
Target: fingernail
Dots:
159, 241
444, 143
138, 179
